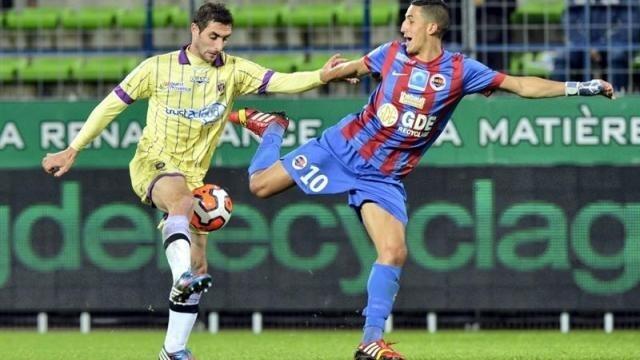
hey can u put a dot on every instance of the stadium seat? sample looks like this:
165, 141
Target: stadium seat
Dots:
317, 60
257, 15
88, 18
179, 17
48, 69
33, 18
136, 18
538, 12
381, 13
108, 68
9, 68
316, 14
540, 64
285, 62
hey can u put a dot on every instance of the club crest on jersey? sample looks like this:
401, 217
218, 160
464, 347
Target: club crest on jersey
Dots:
299, 162
206, 115
418, 79
438, 82
388, 114
412, 100
221, 87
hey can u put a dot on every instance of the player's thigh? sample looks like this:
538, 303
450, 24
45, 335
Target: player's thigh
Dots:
146, 171
170, 193
318, 171
199, 252
274, 180
386, 232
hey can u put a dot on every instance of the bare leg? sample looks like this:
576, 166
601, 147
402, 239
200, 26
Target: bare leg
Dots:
271, 181
388, 236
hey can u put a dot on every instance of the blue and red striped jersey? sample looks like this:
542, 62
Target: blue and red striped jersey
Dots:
409, 108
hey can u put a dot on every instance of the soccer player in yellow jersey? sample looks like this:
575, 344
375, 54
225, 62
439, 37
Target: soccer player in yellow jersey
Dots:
191, 93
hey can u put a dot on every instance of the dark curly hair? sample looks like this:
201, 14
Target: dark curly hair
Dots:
216, 12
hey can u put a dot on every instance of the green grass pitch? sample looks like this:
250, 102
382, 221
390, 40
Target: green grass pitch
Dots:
323, 345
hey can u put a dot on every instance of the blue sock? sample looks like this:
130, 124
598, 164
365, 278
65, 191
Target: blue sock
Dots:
382, 288
269, 150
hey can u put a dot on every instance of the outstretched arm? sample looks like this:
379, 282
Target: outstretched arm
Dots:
135, 86
345, 70
535, 87
59, 163
336, 68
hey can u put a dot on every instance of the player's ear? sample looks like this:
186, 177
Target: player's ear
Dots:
433, 28
195, 29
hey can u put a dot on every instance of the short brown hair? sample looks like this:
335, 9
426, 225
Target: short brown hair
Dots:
209, 12
436, 11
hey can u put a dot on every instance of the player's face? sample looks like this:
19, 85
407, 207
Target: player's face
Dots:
210, 42
414, 29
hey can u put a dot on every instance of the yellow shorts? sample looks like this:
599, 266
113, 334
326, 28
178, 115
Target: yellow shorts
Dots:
145, 170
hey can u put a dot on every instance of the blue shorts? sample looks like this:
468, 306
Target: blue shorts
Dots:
317, 171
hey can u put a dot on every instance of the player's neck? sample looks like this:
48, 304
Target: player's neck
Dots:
430, 51
194, 54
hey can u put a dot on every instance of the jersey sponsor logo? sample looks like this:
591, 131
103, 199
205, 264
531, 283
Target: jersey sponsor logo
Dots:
200, 79
388, 114
412, 100
416, 124
395, 73
299, 162
419, 79
438, 82
206, 115
177, 86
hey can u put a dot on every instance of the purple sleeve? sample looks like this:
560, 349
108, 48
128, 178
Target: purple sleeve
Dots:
479, 78
375, 59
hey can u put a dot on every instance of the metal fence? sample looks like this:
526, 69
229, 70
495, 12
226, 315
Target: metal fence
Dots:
73, 49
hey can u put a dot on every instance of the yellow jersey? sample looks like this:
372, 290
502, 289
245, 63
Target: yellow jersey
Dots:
189, 102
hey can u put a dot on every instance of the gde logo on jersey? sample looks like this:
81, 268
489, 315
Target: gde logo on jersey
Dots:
411, 123
415, 124
419, 79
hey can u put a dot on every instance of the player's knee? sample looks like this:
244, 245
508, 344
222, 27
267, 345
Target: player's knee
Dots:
259, 188
394, 254
183, 205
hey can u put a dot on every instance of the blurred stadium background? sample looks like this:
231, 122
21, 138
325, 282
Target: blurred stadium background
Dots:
525, 215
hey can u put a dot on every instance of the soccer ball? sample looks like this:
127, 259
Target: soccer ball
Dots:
212, 207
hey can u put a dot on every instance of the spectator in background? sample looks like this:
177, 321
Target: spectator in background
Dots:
491, 18
6, 4
599, 32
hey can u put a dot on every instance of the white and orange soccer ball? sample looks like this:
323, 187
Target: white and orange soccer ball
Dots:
212, 207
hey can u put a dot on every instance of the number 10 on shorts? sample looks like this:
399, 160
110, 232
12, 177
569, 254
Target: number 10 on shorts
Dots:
314, 179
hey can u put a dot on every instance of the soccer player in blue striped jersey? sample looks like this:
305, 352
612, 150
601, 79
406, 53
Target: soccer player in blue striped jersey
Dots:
191, 91
367, 154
